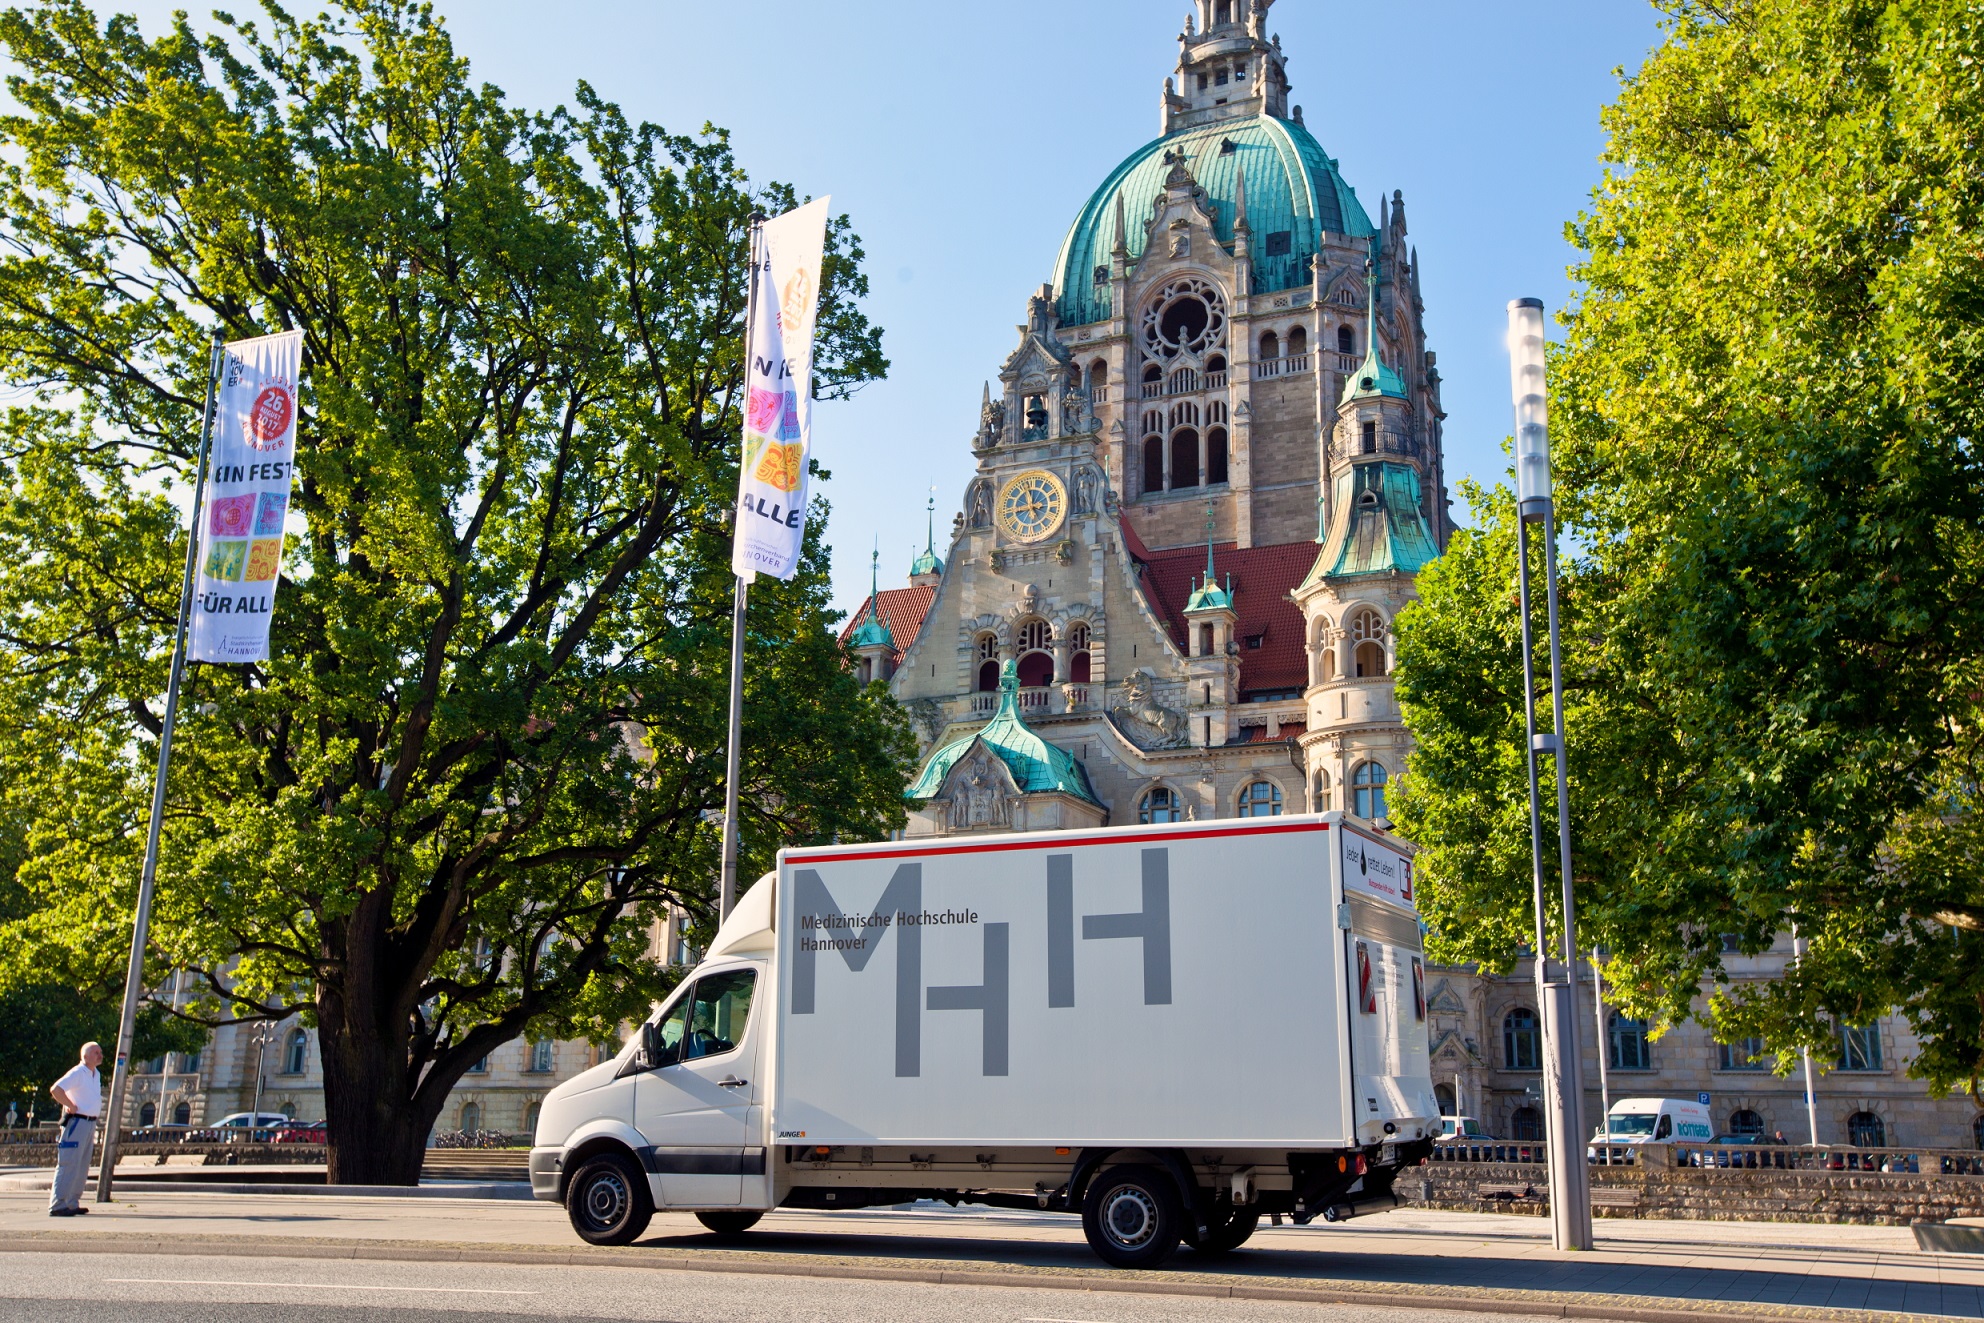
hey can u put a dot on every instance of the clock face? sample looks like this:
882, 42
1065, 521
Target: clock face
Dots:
1031, 506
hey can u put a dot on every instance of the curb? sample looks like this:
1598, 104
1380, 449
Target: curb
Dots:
462, 1190
1485, 1300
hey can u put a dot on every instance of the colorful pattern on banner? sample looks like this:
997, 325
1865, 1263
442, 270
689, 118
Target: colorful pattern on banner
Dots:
778, 407
249, 473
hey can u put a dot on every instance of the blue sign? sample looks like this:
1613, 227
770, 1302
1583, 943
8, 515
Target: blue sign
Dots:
1702, 1098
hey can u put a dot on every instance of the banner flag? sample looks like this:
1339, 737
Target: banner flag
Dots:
778, 396
248, 484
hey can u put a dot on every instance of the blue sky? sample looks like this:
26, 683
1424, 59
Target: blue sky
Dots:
963, 138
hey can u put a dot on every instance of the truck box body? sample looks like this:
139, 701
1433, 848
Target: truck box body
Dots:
1173, 985
1197, 1022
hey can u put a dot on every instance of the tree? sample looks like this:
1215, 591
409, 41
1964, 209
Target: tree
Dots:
485, 753
1765, 413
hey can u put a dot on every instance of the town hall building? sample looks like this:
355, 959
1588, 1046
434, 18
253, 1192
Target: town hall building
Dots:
1208, 475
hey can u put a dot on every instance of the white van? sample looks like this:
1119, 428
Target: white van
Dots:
1656, 1121
1169, 1030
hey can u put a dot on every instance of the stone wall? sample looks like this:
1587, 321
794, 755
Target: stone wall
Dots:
1696, 1193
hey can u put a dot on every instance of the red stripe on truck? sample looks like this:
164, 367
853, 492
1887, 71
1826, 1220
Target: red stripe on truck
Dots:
986, 847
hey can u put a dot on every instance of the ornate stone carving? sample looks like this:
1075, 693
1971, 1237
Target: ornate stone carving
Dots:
991, 422
981, 504
1064, 551
1148, 723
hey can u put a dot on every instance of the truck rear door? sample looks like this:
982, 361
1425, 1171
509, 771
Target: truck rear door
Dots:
1387, 968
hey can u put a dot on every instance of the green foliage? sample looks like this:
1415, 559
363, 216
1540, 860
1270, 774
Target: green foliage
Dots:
1765, 414
483, 757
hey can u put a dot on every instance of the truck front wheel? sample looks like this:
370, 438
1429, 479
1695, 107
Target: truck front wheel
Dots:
1131, 1217
608, 1201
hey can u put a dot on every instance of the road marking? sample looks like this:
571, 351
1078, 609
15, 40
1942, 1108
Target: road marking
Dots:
307, 1286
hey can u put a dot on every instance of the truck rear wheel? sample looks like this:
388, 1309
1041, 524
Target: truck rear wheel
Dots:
608, 1201
1227, 1234
1131, 1217
727, 1223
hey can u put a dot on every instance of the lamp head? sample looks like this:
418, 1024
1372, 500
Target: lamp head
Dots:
1526, 385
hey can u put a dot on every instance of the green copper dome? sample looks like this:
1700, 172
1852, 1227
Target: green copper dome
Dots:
927, 563
1292, 188
872, 634
1035, 764
1379, 525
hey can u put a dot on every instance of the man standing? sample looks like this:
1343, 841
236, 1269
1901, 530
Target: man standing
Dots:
81, 1094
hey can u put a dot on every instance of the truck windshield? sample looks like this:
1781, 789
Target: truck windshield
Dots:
1630, 1127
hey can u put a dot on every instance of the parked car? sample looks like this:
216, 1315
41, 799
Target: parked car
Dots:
1719, 1155
247, 1126
1453, 1128
300, 1132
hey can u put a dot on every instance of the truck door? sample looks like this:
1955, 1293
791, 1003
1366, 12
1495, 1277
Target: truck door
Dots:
694, 1107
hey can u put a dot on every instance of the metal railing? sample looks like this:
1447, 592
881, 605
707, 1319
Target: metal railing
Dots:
1731, 1157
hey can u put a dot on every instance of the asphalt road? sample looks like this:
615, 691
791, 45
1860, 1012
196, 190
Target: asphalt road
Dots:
185, 1288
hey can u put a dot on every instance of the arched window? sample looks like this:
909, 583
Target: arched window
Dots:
1346, 340
1298, 342
531, 1113
988, 663
295, 1052
1217, 363
540, 1056
1205, 640
1444, 1093
1184, 414
1159, 804
1270, 345
1153, 464
1526, 1123
1367, 640
1184, 458
147, 1114
1519, 1045
1322, 791
1098, 375
1215, 456
1222, 13
1625, 1043
182, 1114
1153, 375
471, 1116
1078, 660
1036, 664
1743, 1121
1866, 1130
1153, 422
1261, 799
1367, 785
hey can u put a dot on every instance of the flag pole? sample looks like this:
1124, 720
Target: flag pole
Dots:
727, 883
134, 974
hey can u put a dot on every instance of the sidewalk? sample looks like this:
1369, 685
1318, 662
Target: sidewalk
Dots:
1640, 1270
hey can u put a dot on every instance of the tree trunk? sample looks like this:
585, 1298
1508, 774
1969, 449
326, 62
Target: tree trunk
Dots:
376, 1133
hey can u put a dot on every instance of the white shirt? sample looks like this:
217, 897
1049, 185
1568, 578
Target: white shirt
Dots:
85, 1089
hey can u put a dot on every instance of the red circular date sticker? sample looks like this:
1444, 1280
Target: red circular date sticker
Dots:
269, 419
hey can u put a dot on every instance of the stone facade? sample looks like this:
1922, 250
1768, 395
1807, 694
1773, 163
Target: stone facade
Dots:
1862, 1090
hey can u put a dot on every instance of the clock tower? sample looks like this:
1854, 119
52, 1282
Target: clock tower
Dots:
1206, 476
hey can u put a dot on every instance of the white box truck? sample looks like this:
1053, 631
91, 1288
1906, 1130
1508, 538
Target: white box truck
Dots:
1169, 1030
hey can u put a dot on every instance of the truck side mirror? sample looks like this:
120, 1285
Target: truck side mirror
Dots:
650, 1046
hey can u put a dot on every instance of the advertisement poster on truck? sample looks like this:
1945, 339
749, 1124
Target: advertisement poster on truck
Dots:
1375, 866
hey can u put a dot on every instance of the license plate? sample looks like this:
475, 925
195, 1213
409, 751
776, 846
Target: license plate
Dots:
1388, 1155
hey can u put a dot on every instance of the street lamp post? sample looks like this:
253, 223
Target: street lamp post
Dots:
263, 1034
1556, 980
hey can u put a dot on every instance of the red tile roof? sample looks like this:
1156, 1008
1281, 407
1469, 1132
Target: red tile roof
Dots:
1259, 734
901, 609
1262, 579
